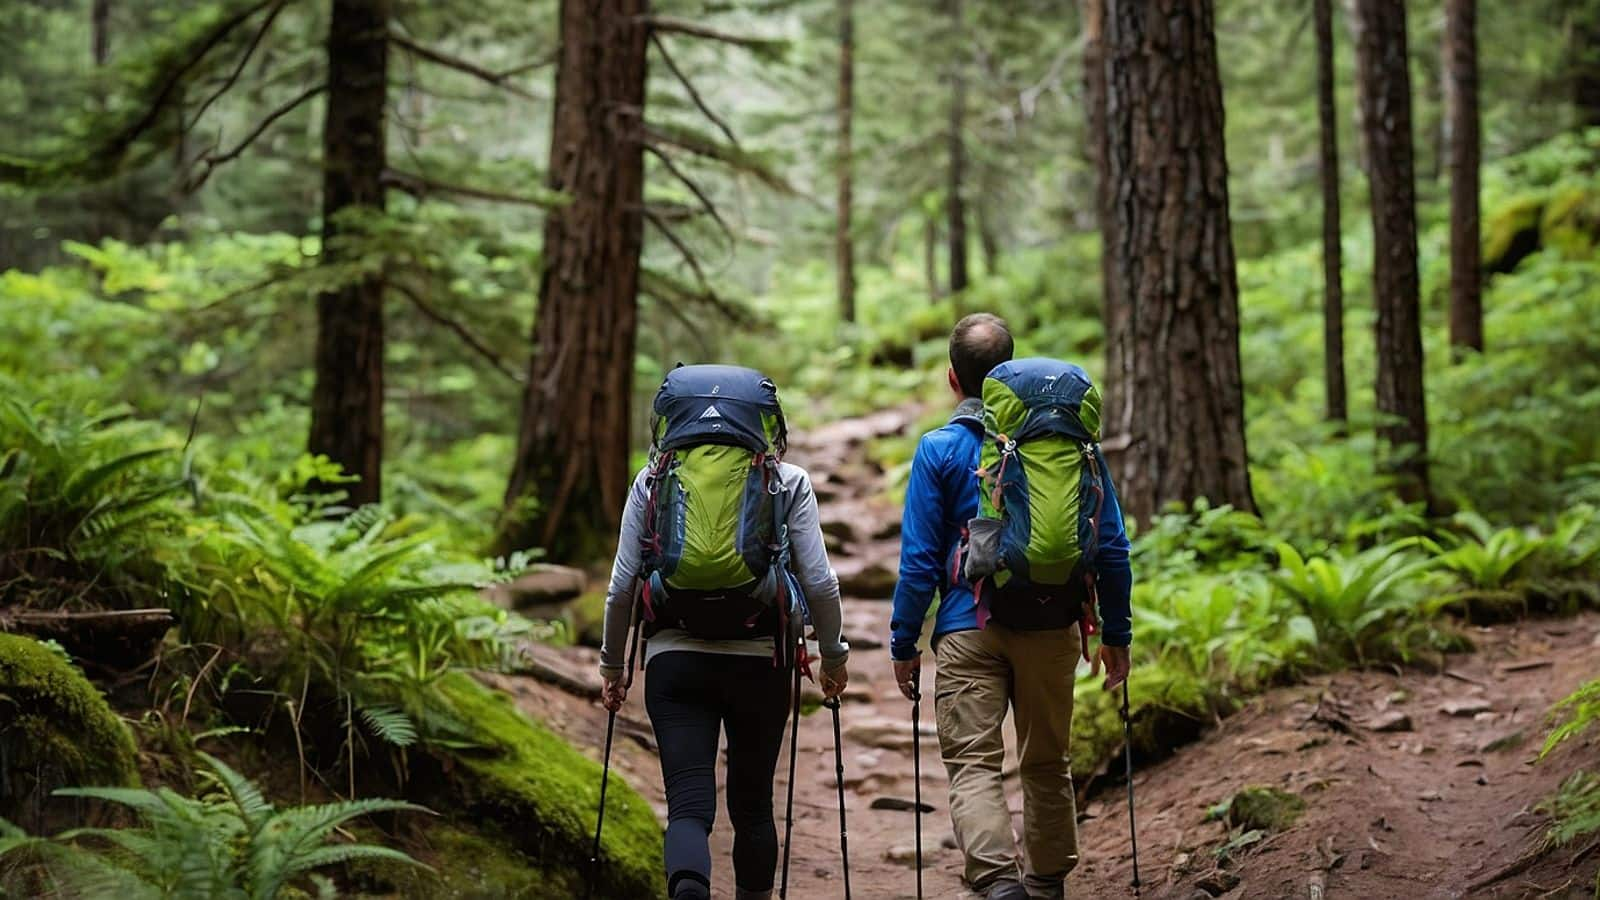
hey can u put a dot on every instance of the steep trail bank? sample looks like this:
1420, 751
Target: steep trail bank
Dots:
1430, 810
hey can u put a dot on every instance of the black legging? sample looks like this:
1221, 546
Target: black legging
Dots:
691, 696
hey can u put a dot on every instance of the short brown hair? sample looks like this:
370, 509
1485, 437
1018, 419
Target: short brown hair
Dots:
979, 342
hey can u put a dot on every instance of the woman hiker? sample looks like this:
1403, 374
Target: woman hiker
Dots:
721, 560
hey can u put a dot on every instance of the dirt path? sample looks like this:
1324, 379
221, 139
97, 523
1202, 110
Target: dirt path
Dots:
1430, 810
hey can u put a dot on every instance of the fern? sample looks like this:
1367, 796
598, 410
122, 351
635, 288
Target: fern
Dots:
391, 724
1574, 810
230, 843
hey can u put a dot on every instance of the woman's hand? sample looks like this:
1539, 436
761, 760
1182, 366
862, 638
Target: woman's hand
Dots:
613, 692
832, 681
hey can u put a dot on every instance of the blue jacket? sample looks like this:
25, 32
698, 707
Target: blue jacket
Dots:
941, 497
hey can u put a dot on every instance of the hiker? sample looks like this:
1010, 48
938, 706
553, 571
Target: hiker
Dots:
1016, 642
722, 540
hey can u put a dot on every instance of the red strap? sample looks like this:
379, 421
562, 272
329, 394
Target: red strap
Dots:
649, 609
983, 608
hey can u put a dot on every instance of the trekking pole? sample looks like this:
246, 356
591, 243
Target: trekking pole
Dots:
838, 761
788, 809
605, 768
1127, 749
916, 767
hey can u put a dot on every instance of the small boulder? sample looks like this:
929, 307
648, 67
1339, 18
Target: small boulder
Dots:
899, 804
1465, 707
873, 579
542, 585
1393, 720
1264, 808
1218, 882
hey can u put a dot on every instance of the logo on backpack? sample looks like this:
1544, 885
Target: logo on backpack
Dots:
1028, 554
716, 544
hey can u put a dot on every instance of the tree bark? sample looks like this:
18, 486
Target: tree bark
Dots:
1585, 52
1332, 250
844, 254
1172, 257
930, 257
1352, 21
1381, 62
1461, 80
347, 399
572, 444
100, 31
955, 206
1116, 388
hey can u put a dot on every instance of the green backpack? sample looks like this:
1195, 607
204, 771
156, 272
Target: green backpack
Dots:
716, 545
1028, 554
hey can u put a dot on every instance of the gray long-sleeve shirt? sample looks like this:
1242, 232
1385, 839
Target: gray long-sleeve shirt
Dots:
808, 560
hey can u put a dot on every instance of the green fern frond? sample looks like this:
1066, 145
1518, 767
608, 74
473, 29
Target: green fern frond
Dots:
391, 724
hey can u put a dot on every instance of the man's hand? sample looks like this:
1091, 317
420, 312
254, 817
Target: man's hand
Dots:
612, 693
832, 681
908, 676
1117, 663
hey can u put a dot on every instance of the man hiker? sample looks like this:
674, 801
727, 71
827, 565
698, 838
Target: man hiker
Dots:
991, 655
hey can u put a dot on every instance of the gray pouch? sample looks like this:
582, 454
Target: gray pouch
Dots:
983, 548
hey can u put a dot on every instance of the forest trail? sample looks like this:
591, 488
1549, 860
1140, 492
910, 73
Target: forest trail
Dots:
1433, 808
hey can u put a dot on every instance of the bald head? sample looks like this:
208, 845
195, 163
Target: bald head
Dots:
979, 342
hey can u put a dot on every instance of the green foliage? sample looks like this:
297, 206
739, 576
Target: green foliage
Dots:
82, 506
1366, 606
1262, 808
1574, 809
227, 843
1575, 714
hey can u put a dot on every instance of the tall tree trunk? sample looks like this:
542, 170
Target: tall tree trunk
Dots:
1381, 62
572, 444
1172, 256
1461, 80
347, 400
844, 254
1352, 21
955, 206
1585, 61
988, 235
1332, 251
930, 257
1116, 391
100, 31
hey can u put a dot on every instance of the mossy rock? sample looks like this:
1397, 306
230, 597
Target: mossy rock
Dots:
1168, 709
461, 864
1512, 233
509, 772
1570, 221
56, 730
1264, 809
586, 618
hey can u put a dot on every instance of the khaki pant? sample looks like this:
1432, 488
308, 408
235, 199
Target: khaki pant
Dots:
980, 674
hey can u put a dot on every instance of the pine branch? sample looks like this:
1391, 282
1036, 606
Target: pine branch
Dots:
211, 161
694, 95
688, 255
766, 48
694, 188
420, 186
105, 157
244, 60
439, 57
461, 331
671, 292
658, 136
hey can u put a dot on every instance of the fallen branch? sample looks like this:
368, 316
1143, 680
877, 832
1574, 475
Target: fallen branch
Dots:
460, 330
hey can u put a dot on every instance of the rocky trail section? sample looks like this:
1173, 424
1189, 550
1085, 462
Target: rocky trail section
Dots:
1413, 785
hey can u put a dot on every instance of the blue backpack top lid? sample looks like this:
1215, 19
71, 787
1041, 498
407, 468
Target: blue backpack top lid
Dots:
718, 405
1048, 395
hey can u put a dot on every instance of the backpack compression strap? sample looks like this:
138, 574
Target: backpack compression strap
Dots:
650, 543
772, 483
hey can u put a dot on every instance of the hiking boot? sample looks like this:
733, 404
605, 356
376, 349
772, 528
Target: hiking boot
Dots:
1006, 889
